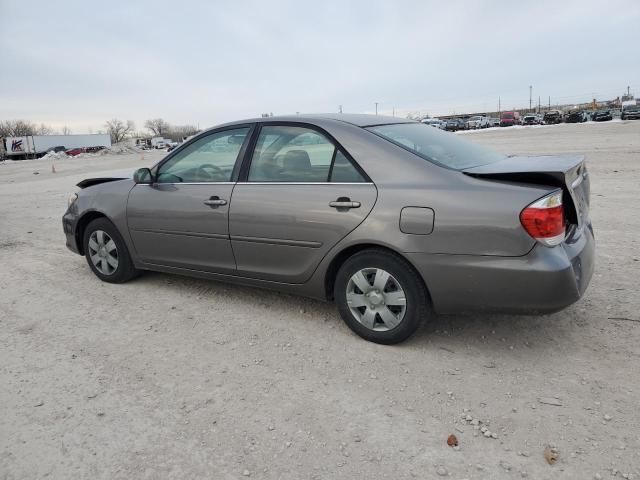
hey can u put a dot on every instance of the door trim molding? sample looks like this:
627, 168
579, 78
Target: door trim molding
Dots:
304, 183
276, 241
220, 236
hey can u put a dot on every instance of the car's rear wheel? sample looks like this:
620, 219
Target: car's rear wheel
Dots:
107, 253
380, 296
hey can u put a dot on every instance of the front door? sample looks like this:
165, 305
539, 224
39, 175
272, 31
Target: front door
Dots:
302, 195
182, 220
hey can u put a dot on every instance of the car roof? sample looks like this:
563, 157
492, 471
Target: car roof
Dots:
357, 119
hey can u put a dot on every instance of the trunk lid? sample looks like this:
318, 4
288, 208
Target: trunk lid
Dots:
568, 172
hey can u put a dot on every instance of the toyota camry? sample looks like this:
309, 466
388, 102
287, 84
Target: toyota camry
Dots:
391, 219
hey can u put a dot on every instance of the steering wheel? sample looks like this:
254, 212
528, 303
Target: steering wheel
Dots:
210, 171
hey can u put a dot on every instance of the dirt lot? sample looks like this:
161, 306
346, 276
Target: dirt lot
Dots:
170, 377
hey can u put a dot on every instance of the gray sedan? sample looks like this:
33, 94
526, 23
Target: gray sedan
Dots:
391, 219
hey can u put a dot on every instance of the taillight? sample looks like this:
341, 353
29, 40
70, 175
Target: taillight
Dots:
544, 219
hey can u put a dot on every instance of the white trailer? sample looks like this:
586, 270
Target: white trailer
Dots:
33, 146
160, 142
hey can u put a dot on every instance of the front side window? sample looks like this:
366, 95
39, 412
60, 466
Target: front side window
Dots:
208, 159
298, 154
439, 147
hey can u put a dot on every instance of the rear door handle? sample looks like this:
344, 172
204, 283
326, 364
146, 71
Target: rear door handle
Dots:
344, 202
215, 201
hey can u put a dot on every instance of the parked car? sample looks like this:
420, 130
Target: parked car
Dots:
478, 121
454, 124
531, 119
94, 149
552, 117
72, 152
388, 218
434, 122
494, 122
57, 149
508, 119
602, 115
576, 116
630, 112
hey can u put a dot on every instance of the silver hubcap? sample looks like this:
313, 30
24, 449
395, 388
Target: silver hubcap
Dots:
376, 299
103, 252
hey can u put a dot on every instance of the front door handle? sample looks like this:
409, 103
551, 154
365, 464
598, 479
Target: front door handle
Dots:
344, 203
215, 201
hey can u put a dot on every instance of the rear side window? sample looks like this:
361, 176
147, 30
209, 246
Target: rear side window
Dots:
299, 154
343, 170
434, 145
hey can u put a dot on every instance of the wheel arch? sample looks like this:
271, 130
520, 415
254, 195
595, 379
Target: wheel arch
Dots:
338, 260
81, 226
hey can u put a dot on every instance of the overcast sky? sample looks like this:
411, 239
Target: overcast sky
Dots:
79, 63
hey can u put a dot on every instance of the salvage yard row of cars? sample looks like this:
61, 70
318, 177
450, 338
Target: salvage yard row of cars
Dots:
550, 117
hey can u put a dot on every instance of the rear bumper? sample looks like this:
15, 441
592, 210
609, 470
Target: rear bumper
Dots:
544, 281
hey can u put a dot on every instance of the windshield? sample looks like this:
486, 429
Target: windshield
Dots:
476, 118
445, 149
507, 115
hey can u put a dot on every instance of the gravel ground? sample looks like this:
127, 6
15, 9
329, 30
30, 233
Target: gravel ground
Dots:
171, 377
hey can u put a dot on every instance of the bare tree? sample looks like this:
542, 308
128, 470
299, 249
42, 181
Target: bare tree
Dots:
20, 128
157, 126
66, 130
178, 132
16, 128
118, 130
44, 130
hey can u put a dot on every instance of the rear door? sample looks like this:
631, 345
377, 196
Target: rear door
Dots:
301, 194
182, 220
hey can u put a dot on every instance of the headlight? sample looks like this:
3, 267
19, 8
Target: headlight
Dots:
72, 198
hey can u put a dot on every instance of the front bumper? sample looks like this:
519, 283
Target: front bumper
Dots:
543, 281
69, 225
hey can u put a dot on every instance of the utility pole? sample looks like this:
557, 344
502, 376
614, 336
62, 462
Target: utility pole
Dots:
628, 91
394, 111
549, 102
530, 92
499, 106
538, 103
340, 108
376, 107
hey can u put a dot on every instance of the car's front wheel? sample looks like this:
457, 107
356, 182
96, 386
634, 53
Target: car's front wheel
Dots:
107, 253
380, 296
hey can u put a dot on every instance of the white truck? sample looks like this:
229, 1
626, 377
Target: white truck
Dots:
478, 121
160, 142
35, 146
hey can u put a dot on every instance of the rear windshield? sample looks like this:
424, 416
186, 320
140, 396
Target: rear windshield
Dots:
442, 148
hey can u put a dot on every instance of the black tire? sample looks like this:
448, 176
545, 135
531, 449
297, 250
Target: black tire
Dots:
125, 270
418, 306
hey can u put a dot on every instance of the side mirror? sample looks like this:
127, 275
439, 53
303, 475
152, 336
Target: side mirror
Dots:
142, 176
